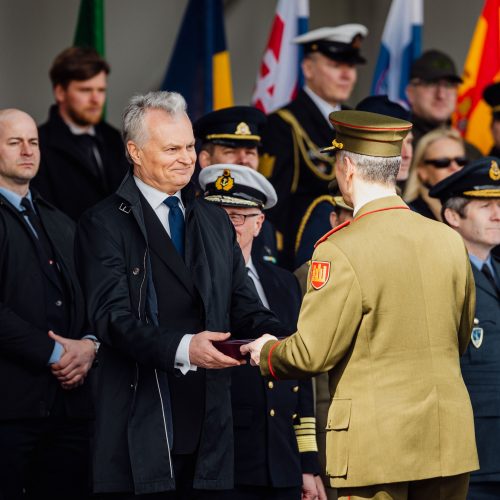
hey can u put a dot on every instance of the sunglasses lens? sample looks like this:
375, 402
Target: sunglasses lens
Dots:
461, 161
446, 162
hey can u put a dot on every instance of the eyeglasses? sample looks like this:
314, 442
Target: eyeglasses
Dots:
446, 162
240, 219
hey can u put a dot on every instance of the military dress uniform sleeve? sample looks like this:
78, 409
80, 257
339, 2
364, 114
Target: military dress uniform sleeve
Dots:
469, 307
305, 429
328, 322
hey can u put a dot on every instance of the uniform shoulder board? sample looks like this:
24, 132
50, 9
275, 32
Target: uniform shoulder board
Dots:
329, 233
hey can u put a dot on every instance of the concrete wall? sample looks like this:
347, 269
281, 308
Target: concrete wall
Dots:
140, 36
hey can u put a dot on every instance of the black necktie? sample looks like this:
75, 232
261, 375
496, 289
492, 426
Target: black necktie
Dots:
489, 276
89, 145
37, 226
176, 223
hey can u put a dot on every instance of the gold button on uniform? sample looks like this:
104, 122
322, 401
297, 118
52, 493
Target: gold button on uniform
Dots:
270, 384
295, 388
272, 413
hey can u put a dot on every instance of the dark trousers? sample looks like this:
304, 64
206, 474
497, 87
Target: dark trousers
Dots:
44, 458
263, 493
485, 490
184, 466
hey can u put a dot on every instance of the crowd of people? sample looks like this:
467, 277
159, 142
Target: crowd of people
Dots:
304, 305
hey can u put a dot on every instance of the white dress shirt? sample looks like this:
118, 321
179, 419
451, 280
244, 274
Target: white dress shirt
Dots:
156, 198
252, 272
325, 107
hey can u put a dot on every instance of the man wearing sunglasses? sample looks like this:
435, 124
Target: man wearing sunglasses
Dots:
274, 426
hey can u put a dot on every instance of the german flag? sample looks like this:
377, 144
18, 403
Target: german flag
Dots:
199, 68
482, 67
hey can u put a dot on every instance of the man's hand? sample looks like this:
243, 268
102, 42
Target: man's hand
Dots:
203, 354
75, 362
255, 347
309, 488
321, 488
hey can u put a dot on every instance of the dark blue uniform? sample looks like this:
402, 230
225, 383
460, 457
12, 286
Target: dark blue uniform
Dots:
481, 372
264, 411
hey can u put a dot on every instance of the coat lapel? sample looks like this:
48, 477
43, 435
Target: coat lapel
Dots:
482, 282
196, 257
161, 244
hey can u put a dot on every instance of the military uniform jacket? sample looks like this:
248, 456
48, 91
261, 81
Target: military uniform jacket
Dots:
265, 411
291, 161
388, 322
481, 372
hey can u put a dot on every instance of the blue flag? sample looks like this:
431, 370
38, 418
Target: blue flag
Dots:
401, 45
199, 68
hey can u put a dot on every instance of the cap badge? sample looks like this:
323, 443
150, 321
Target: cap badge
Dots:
225, 182
476, 337
494, 172
337, 145
243, 129
319, 274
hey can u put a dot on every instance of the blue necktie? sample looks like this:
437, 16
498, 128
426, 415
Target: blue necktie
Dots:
176, 223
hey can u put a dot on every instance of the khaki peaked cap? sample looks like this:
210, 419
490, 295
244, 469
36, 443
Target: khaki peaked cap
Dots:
368, 133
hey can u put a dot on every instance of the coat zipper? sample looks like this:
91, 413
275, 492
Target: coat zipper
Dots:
156, 373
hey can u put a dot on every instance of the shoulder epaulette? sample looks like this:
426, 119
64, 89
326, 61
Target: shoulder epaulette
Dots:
329, 233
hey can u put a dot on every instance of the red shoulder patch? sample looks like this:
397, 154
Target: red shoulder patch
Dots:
334, 230
319, 273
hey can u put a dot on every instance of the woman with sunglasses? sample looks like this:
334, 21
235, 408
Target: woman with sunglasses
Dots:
439, 154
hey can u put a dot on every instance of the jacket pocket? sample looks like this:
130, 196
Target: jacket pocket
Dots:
337, 427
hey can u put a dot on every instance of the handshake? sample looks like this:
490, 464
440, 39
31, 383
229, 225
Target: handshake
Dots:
215, 350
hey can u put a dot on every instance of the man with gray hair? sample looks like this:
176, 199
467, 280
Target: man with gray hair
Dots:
388, 310
164, 277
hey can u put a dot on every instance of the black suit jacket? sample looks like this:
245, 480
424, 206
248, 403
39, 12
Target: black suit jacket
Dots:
66, 177
26, 384
266, 451
481, 373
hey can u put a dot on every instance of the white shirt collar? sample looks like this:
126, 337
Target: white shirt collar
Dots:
154, 196
76, 130
252, 269
325, 107
360, 203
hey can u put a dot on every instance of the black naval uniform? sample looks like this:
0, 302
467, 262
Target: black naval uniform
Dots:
267, 459
481, 373
292, 162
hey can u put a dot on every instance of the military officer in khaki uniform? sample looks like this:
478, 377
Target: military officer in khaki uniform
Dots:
388, 310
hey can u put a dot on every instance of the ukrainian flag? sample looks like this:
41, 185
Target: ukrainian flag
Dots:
199, 68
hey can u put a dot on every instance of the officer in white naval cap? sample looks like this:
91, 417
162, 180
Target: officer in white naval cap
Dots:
292, 138
276, 455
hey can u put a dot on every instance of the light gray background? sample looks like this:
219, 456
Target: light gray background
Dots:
140, 35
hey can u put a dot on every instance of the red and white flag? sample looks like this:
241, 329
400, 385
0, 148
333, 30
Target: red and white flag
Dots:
280, 77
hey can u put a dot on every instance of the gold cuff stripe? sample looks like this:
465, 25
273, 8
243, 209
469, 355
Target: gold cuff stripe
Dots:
305, 426
305, 432
308, 420
307, 443
234, 136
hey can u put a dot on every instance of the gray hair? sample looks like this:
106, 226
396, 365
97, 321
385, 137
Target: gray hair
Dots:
456, 203
378, 169
133, 116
